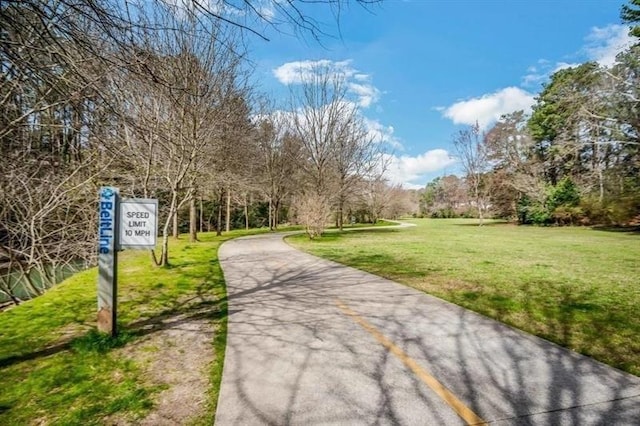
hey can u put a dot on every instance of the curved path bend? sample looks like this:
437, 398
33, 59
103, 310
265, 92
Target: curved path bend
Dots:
312, 342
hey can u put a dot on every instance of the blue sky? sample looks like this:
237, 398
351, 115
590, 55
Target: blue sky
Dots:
423, 69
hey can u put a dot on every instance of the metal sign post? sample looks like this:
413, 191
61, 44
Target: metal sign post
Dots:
131, 224
108, 260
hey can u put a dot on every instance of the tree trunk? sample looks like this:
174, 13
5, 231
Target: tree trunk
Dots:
14, 299
28, 284
164, 255
601, 185
154, 259
47, 275
276, 215
246, 212
193, 217
174, 232
228, 215
270, 214
219, 223
201, 215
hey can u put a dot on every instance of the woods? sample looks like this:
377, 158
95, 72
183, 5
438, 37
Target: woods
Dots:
575, 160
154, 98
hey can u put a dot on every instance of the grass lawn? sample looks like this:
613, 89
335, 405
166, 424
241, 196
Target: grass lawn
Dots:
56, 369
380, 222
577, 287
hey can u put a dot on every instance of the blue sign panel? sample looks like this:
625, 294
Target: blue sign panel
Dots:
107, 259
107, 220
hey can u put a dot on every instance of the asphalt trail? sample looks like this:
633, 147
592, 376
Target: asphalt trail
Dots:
312, 342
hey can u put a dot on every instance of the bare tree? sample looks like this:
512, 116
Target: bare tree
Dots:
43, 221
515, 173
175, 122
154, 84
280, 154
337, 150
51, 116
390, 201
356, 156
375, 195
472, 153
312, 211
233, 156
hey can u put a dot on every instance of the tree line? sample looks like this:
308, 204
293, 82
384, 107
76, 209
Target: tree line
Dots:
574, 160
154, 98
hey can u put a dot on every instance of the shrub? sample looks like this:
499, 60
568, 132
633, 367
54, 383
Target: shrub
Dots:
563, 194
560, 206
313, 211
567, 215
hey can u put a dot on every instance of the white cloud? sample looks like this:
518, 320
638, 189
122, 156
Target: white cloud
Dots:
366, 93
409, 171
603, 44
384, 134
488, 108
358, 84
298, 72
267, 12
264, 10
534, 79
540, 74
564, 65
183, 9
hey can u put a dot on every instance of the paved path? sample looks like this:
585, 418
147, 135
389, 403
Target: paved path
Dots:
311, 342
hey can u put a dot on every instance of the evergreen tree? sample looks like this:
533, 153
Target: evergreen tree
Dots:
630, 14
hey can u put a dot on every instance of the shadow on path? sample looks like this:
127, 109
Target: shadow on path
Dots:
294, 358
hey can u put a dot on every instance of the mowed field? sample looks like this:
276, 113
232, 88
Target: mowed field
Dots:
56, 369
577, 287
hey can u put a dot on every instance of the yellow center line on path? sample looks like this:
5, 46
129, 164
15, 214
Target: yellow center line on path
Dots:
458, 406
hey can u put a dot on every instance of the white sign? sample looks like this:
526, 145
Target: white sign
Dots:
138, 223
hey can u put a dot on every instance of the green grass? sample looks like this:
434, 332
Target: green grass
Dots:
56, 369
380, 222
575, 286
